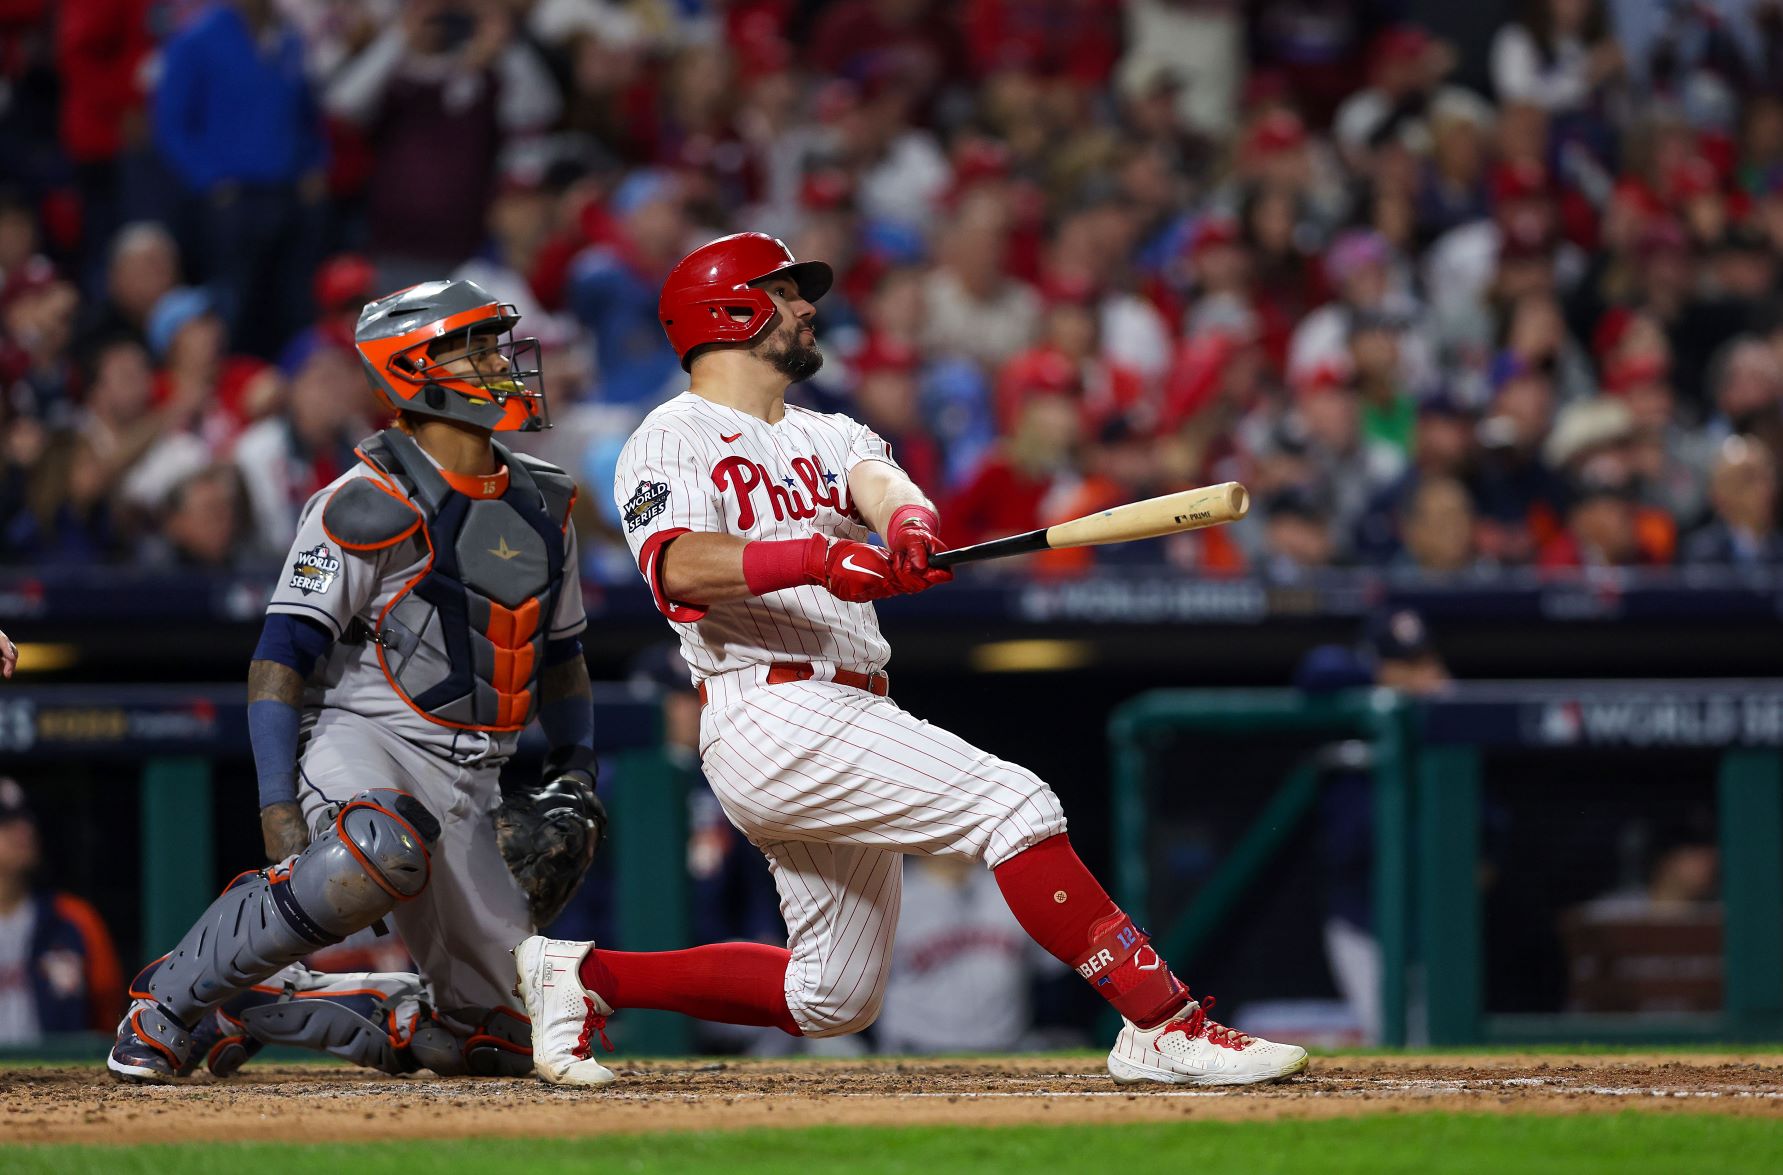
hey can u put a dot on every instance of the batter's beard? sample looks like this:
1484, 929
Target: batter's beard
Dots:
793, 359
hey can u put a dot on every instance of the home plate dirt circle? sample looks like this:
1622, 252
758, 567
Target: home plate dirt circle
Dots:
324, 1103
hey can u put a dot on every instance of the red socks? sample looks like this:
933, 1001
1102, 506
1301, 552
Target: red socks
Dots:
1065, 910
726, 983
1052, 895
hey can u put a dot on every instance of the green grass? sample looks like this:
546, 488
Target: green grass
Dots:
1623, 1144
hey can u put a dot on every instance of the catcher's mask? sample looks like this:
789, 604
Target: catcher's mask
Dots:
429, 349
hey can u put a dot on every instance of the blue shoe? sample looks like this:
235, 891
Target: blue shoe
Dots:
152, 1046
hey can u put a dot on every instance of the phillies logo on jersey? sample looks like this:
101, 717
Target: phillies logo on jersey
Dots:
743, 477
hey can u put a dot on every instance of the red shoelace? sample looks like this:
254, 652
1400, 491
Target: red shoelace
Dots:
1196, 1024
594, 1025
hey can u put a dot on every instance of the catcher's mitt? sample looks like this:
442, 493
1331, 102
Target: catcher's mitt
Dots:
548, 832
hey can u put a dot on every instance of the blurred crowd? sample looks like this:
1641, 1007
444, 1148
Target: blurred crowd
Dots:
1086, 252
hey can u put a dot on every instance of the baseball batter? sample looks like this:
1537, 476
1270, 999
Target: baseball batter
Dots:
430, 610
749, 520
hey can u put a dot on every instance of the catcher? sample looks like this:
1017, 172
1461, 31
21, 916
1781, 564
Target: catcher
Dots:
430, 611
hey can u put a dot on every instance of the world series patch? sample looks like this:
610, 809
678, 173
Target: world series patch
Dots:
315, 570
648, 501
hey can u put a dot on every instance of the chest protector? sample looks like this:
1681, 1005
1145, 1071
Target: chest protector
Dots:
462, 642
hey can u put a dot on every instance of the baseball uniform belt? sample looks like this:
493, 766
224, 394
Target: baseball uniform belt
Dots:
781, 672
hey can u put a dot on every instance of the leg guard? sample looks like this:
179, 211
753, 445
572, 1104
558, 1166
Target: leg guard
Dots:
484, 1042
368, 1018
373, 856
1125, 970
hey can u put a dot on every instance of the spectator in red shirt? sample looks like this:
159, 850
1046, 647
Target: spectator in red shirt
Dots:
1068, 362
101, 49
1026, 481
1074, 39
1607, 527
229, 391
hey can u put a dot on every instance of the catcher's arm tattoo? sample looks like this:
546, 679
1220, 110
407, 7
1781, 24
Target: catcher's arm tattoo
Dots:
269, 681
282, 827
566, 679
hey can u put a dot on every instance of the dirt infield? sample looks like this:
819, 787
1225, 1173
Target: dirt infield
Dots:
316, 1104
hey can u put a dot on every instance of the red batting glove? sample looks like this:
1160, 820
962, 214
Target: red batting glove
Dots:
855, 572
912, 537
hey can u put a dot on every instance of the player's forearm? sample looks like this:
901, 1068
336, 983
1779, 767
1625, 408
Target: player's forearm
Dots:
288, 651
566, 699
275, 701
704, 569
880, 490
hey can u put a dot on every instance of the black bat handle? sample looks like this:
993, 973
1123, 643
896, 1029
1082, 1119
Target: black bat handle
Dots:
1015, 544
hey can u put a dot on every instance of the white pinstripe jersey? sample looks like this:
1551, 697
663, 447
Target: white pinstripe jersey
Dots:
694, 465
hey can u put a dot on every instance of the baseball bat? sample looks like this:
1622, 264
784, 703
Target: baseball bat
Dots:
1184, 510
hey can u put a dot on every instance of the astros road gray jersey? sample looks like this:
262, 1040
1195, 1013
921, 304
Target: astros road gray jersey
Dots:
359, 733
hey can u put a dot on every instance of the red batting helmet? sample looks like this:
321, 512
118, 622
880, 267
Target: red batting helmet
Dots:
711, 296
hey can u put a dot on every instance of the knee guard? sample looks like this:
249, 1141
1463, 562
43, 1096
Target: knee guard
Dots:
483, 1042
373, 856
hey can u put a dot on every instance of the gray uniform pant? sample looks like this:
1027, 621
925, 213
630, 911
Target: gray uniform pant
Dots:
472, 913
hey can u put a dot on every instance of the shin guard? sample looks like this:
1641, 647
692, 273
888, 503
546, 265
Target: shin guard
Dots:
1124, 969
371, 857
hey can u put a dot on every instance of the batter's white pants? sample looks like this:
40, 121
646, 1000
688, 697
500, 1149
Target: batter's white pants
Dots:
835, 785
472, 913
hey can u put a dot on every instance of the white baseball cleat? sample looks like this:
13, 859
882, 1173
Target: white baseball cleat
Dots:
1191, 1049
566, 1016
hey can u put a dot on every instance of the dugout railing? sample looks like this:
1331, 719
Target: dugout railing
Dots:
1426, 762
174, 737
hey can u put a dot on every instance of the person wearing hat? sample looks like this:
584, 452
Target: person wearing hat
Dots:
612, 287
1366, 273
1442, 449
1395, 651
1518, 495
221, 391
37, 321
1605, 524
342, 286
1296, 534
58, 969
